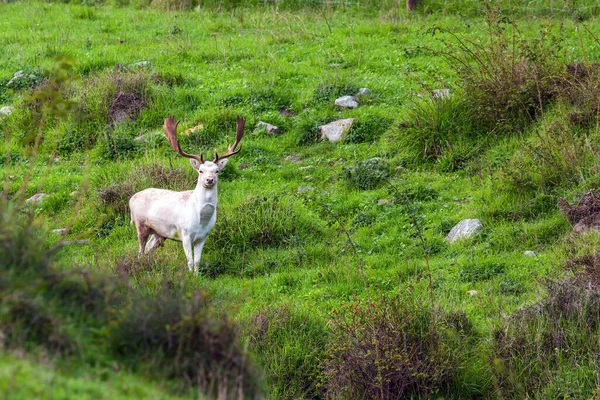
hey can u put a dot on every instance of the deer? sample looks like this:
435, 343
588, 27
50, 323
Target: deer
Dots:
189, 216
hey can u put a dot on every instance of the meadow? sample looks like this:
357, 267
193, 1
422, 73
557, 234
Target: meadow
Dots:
328, 274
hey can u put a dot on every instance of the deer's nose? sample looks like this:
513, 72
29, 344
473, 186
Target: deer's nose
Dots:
210, 180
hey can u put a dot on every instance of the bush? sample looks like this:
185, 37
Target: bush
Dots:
367, 174
441, 130
509, 80
289, 344
183, 337
388, 349
368, 129
550, 340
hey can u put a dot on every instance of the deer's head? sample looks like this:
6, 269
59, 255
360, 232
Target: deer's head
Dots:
208, 171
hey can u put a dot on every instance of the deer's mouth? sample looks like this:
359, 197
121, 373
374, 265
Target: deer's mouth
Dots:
209, 185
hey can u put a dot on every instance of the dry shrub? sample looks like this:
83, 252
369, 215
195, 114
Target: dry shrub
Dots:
541, 342
586, 214
116, 197
579, 87
183, 337
124, 106
387, 350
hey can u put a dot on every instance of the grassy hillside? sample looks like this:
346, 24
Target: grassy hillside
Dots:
322, 260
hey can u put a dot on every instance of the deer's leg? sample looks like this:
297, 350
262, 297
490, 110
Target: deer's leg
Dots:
189, 251
143, 232
154, 242
197, 254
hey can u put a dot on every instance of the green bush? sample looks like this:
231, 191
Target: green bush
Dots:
368, 129
289, 344
367, 174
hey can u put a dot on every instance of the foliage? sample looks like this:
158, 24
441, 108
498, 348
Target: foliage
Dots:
367, 174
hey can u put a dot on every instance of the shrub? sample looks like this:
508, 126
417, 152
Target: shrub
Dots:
289, 344
552, 338
441, 130
508, 80
183, 337
367, 174
387, 349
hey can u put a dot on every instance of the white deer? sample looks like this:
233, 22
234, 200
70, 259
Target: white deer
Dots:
188, 216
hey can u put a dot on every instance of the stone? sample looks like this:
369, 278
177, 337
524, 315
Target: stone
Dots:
141, 64
385, 202
267, 129
363, 92
440, 93
306, 167
244, 166
529, 253
337, 130
472, 292
464, 229
60, 231
303, 189
346, 102
6, 111
36, 198
74, 193
293, 158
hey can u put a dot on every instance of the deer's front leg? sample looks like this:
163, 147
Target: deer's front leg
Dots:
197, 254
188, 249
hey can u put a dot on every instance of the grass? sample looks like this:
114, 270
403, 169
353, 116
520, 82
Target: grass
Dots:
306, 225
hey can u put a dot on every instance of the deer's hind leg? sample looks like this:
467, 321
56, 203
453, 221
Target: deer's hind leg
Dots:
143, 231
154, 242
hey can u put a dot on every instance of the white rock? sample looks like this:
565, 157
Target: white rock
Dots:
141, 64
363, 92
464, 229
530, 253
472, 292
267, 128
302, 189
306, 167
60, 231
337, 130
440, 93
346, 102
385, 202
6, 110
36, 198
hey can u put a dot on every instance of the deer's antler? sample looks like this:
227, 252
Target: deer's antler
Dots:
170, 128
240, 123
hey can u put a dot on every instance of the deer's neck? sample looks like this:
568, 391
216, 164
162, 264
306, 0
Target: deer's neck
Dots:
206, 195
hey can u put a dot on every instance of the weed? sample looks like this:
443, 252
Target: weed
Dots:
368, 129
386, 349
289, 344
367, 174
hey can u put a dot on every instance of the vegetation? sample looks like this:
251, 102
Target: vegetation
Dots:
328, 274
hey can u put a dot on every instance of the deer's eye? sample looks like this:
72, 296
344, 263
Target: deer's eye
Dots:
218, 171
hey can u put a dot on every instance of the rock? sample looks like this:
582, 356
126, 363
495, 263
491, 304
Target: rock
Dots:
363, 92
6, 110
74, 193
586, 214
244, 166
293, 158
440, 93
472, 292
464, 229
286, 112
15, 78
141, 64
346, 102
302, 189
529, 253
267, 128
60, 231
385, 202
337, 130
306, 167
36, 198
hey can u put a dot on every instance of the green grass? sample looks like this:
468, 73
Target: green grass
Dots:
277, 252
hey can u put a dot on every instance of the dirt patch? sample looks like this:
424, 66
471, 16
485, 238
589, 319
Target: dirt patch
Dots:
125, 106
585, 215
586, 269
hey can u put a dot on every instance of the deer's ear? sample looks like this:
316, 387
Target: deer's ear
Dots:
222, 163
195, 163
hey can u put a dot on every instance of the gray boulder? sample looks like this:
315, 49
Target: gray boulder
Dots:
464, 229
6, 111
346, 102
337, 130
363, 92
267, 128
36, 198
